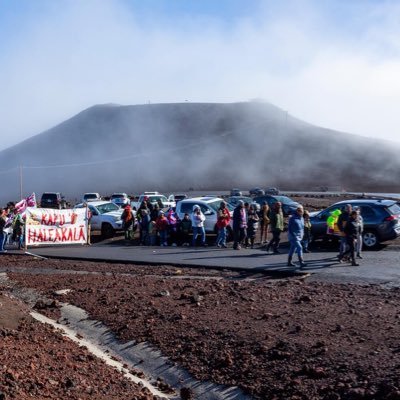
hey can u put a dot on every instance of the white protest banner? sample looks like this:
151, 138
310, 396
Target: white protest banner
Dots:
50, 226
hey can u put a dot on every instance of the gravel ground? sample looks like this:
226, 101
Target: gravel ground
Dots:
275, 339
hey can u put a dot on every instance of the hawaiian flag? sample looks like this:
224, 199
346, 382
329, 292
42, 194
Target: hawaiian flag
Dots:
21, 206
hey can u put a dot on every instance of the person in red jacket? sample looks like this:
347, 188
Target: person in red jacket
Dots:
162, 228
223, 219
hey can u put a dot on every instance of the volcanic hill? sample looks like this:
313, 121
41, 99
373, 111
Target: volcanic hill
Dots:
170, 147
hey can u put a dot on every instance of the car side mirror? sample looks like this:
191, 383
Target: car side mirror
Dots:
95, 212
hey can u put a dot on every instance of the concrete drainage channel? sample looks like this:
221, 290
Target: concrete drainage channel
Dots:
140, 356
101, 342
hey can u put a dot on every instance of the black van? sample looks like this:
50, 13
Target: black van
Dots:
52, 200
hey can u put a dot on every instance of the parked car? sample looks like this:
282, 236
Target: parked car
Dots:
234, 200
209, 207
288, 205
272, 190
91, 197
381, 220
53, 200
236, 192
106, 217
120, 199
180, 197
256, 192
153, 199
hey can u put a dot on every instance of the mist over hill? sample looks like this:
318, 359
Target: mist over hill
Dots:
174, 147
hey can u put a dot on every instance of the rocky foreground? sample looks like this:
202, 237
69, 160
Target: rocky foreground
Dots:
275, 339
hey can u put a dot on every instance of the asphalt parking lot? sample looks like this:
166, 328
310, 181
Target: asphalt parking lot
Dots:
381, 266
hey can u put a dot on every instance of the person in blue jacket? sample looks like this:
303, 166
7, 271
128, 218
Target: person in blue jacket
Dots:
295, 236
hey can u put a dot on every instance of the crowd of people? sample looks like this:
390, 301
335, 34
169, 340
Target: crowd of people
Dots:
11, 227
250, 224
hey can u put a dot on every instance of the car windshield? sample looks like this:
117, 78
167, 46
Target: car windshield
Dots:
284, 199
90, 196
217, 203
394, 209
107, 207
118, 196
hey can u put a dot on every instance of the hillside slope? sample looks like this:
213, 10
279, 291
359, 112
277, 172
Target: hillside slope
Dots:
109, 148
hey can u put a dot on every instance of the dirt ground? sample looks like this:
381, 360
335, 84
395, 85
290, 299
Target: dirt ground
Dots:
275, 339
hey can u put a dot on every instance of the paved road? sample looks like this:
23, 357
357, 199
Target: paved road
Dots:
377, 266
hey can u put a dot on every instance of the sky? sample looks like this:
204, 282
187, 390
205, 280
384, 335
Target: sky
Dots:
332, 63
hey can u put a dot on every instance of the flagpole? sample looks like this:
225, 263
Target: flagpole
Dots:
20, 181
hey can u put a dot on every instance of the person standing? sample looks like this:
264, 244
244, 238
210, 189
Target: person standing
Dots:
144, 223
295, 236
198, 219
252, 224
352, 231
128, 219
360, 236
173, 220
264, 222
162, 228
341, 224
307, 232
239, 225
223, 219
277, 225
185, 227
17, 229
3, 235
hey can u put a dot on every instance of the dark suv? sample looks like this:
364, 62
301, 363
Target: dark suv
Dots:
381, 220
52, 200
288, 205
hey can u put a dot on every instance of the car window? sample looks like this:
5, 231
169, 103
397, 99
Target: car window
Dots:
187, 207
107, 207
394, 209
215, 205
367, 212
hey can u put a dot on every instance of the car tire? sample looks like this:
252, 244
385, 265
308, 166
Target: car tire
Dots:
370, 239
107, 231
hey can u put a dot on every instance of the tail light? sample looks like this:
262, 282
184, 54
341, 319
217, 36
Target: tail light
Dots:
392, 217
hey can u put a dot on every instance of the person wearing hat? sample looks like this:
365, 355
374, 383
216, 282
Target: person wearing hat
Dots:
295, 236
277, 225
198, 219
239, 225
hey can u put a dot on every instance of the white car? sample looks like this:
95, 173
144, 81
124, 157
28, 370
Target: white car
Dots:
105, 217
208, 206
120, 199
153, 199
91, 197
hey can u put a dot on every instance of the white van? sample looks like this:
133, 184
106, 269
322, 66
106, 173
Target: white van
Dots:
209, 207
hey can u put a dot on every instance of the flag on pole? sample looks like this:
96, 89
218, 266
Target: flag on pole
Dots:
21, 206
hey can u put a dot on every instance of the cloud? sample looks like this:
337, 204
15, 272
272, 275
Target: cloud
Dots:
333, 65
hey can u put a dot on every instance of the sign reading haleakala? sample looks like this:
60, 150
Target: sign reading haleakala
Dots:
49, 226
